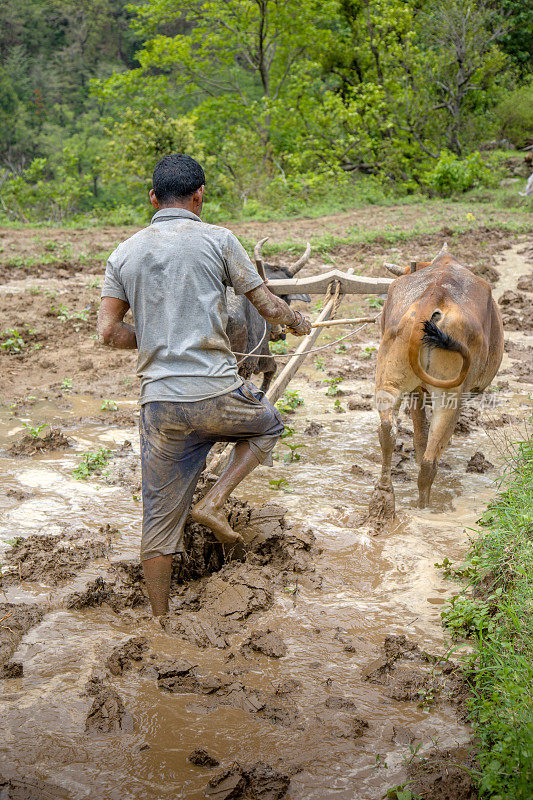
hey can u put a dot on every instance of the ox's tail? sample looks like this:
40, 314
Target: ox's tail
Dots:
433, 336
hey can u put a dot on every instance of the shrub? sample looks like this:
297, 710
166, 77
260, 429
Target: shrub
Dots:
452, 175
515, 116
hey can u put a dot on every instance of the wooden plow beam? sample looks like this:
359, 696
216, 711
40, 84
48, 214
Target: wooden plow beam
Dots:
318, 284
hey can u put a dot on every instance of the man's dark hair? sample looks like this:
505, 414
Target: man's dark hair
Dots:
177, 177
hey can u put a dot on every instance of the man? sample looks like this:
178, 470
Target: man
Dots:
173, 275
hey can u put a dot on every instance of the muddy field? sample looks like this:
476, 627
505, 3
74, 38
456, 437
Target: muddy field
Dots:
310, 666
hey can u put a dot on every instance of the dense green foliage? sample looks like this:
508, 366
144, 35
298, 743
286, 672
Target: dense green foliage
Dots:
498, 614
280, 99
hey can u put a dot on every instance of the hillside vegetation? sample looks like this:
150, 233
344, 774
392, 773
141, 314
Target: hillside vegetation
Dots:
284, 102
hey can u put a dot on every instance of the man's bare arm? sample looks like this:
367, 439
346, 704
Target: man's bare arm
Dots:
277, 311
110, 326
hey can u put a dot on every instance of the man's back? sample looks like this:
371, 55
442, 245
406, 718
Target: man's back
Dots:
174, 276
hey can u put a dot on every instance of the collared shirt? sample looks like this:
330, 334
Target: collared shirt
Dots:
174, 275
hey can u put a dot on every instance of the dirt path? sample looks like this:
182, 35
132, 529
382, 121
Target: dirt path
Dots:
320, 654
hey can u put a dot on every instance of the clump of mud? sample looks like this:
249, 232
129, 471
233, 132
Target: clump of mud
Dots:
37, 445
212, 590
15, 620
256, 781
123, 655
478, 463
525, 283
408, 673
517, 310
123, 589
201, 758
267, 642
444, 775
108, 714
51, 559
29, 789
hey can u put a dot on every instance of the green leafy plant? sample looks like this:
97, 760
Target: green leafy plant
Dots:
92, 463
453, 175
289, 402
319, 364
278, 348
367, 351
341, 349
13, 343
108, 405
338, 407
279, 485
333, 386
35, 431
466, 616
288, 432
375, 302
66, 383
77, 317
293, 454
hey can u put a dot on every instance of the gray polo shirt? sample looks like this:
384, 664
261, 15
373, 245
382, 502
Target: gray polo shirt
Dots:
174, 276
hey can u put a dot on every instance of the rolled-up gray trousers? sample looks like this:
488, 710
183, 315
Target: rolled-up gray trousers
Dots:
175, 440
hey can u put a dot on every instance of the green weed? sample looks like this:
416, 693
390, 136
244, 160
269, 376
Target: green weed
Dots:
108, 405
338, 407
92, 463
35, 432
333, 386
293, 454
66, 315
375, 302
279, 485
278, 348
13, 343
289, 402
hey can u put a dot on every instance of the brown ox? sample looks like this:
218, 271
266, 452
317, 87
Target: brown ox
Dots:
441, 334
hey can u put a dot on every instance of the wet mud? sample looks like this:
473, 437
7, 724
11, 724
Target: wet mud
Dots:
295, 666
30, 445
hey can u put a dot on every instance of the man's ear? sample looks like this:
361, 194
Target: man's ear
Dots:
198, 199
153, 199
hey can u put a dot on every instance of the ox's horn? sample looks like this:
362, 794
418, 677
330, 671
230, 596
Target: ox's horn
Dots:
442, 252
258, 258
394, 268
301, 261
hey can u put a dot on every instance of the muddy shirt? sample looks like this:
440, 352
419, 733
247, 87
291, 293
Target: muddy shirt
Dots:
174, 275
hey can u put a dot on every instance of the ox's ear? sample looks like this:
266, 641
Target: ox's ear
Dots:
443, 252
304, 298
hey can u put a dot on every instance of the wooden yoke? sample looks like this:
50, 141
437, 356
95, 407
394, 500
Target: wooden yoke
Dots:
318, 284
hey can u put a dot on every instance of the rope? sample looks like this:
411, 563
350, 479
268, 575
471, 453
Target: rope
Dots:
337, 297
255, 348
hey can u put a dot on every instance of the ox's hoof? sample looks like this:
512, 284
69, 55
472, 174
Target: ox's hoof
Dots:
381, 507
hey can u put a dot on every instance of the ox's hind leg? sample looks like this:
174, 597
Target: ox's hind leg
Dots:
420, 423
446, 410
381, 507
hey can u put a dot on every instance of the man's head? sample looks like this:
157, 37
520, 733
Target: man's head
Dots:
178, 181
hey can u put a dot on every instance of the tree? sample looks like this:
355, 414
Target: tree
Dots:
237, 57
461, 36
